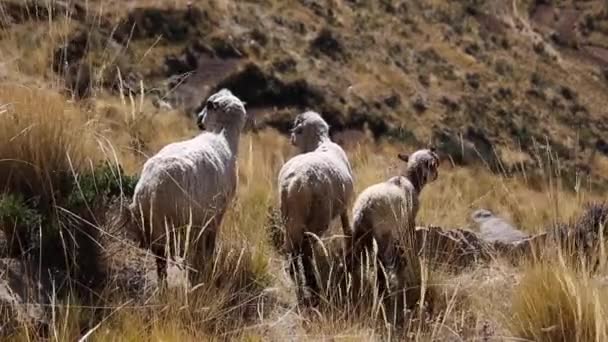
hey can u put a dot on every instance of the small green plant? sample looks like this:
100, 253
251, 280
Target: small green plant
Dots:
103, 183
15, 211
17, 221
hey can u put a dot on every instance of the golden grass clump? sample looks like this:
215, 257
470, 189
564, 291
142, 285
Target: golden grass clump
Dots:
556, 303
44, 141
233, 297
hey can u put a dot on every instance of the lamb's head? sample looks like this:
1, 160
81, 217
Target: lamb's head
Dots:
223, 110
422, 166
309, 130
481, 215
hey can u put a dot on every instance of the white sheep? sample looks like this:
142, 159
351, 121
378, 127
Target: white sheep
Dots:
183, 191
386, 212
496, 229
315, 187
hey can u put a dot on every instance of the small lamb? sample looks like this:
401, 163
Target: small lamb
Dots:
184, 189
315, 187
385, 210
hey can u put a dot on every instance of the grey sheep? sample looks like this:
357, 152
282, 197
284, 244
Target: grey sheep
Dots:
315, 187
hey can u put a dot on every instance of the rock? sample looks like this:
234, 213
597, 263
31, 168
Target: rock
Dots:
495, 229
285, 65
329, 44
393, 101
17, 11
602, 146
582, 236
70, 61
420, 103
473, 80
453, 247
21, 298
467, 148
451, 103
261, 89
170, 24
78, 80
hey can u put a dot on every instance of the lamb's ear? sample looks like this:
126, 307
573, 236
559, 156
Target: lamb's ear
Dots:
250, 123
200, 119
403, 157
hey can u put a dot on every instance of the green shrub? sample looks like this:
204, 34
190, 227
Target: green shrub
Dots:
17, 221
63, 236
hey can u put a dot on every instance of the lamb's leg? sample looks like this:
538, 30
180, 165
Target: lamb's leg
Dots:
348, 234
210, 235
386, 255
209, 242
362, 241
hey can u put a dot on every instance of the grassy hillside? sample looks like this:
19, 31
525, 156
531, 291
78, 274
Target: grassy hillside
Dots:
514, 94
509, 77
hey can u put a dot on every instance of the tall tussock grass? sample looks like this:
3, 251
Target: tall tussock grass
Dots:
233, 296
554, 302
51, 172
44, 142
50, 169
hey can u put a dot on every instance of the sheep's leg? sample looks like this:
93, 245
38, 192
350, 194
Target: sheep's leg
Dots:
204, 248
308, 264
386, 256
301, 267
318, 223
161, 264
293, 246
210, 235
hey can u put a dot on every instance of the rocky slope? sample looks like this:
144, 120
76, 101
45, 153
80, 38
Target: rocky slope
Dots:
500, 79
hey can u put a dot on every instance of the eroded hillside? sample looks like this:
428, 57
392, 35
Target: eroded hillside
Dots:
507, 77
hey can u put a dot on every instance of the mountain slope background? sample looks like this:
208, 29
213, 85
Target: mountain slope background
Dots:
509, 77
513, 93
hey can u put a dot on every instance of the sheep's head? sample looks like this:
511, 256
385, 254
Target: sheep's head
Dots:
481, 215
309, 129
423, 164
222, 110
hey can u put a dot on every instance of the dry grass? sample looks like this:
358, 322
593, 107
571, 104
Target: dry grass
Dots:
44, 139
556, 303
247, 294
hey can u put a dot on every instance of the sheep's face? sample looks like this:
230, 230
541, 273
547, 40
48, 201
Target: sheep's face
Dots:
309, 129
222, 110
424, 163
481, 215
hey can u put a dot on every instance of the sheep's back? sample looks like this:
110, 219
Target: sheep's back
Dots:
197, 174
318, 173
387, 205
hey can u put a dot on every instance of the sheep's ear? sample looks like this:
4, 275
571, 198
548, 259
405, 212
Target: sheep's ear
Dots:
403, 157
